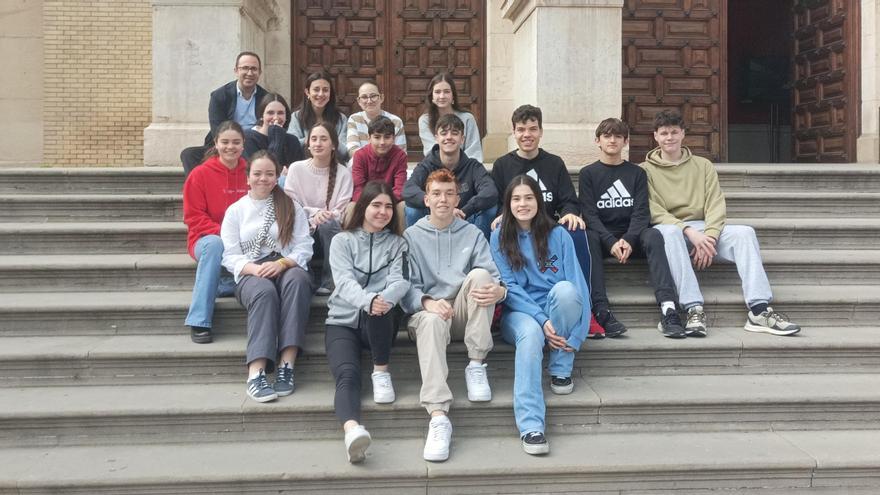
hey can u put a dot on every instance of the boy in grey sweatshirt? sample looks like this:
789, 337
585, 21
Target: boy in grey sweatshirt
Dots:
455, 286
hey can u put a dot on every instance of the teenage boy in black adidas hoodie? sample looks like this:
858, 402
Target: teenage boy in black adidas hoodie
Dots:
556, 187
614, 201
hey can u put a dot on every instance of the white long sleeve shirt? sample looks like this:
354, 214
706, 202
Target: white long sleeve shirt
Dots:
242, 222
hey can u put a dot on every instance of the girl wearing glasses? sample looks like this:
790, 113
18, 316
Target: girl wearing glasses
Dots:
370, 100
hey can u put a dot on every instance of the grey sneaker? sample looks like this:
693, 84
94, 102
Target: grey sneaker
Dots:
771, 322
283, 381
696, 323
535, 443
258, 388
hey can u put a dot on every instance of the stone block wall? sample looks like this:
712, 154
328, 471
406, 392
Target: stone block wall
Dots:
97, 81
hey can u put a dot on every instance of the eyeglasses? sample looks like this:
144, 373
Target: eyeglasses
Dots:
246, 69
372, 97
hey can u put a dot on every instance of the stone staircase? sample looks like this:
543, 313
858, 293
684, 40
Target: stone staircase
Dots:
101, 390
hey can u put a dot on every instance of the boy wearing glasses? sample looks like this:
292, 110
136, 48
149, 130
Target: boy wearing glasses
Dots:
478, 197
455, 286
236, 100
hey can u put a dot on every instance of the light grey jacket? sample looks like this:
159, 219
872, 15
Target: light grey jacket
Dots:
365, 265
441, 259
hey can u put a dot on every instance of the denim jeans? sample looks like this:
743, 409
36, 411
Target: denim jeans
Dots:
564, 307
481, 219
212, 280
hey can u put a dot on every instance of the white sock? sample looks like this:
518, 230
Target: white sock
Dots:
474, 362
665, 305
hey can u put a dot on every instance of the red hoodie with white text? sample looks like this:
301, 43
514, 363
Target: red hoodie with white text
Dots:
208, 191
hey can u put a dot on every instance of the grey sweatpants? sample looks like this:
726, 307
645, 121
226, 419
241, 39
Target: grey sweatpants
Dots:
737, 244
278, 311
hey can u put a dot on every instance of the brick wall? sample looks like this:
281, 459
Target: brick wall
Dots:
97, 86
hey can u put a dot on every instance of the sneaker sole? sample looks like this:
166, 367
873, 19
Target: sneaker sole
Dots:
357, 451
436, 457
202, 339
760, 329
536, 449
695, 333
283, 393
614, 335
671, 335
596, 336
562, 390
479, 398
383, 400
264, 399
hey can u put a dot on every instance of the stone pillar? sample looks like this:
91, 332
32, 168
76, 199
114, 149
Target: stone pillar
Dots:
567, 61
194, 47
500, 99
868, 144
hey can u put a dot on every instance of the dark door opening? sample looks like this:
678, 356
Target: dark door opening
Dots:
759, 58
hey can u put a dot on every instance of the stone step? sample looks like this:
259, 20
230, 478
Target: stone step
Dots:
91, 208
140, 313
172, 413
760, 462
170, 237
91, 180
173, 359
168, 207
160, 272
92, 237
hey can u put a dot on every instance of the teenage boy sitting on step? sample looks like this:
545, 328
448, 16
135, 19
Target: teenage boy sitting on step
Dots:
689, 209
477, 193
455, 286
381, 159
614, 200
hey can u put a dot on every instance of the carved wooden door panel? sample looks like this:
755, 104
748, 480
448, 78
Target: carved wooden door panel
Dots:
674, 56
826, 91
429, 37
401, 44
345, 38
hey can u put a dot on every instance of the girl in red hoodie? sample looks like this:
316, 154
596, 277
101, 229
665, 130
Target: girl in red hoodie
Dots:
207, 192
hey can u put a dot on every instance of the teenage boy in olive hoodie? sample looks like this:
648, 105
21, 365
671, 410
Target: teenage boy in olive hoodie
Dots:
477, 193
455, 286
689, 209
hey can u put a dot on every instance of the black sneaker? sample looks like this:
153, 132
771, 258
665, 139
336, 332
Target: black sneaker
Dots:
201, 335
613, 328
534, 443
561, 385
670, 325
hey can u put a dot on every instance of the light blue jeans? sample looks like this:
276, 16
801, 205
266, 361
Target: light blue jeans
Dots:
481, 219
564, 307
212, 281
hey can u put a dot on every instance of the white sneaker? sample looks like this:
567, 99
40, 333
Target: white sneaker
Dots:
357, 440
383, 389
439, 437
477, 380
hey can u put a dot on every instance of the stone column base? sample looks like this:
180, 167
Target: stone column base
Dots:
868, 148
164, 142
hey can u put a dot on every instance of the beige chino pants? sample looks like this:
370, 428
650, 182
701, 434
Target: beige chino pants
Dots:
470, 323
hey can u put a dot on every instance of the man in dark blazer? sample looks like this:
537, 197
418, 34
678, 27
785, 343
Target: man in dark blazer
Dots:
236, 100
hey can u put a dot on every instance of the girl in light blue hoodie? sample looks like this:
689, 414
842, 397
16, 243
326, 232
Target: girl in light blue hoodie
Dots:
547, 300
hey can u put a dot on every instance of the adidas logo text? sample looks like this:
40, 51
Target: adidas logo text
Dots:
615, 197
614, 203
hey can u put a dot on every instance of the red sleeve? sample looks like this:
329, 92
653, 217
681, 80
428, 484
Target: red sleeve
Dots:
399, 167
358, 175
195, 211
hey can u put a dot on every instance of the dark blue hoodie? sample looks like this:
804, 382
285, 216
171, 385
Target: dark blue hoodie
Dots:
476, 188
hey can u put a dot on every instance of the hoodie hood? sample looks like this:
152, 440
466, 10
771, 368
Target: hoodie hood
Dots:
654, 157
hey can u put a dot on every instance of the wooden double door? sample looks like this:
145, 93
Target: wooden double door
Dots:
675, 56
401, 44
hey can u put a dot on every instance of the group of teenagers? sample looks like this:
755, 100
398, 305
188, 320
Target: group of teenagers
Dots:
446, 246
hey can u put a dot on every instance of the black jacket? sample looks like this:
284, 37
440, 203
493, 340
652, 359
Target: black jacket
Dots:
222, 106
551, 174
